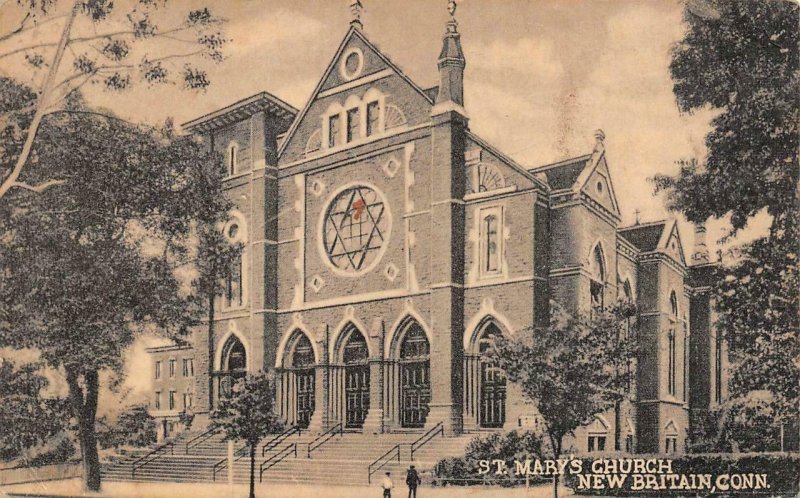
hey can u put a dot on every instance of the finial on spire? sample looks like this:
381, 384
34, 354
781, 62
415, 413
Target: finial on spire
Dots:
355, 13
636, 212
452, 24
599, 135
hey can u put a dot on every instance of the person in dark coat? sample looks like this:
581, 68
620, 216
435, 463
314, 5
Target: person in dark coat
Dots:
412, 480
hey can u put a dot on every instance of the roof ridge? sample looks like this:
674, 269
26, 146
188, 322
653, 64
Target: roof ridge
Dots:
563, 162
645, 225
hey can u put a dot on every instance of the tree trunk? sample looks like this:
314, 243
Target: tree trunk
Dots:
617, 422
253, 470
556, 442
84, 408
210, 352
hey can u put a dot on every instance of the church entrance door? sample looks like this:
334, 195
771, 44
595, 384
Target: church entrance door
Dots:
415, 378
355, 356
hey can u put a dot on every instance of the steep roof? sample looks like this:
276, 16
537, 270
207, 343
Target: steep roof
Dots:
352, 32
645, 236
563, 174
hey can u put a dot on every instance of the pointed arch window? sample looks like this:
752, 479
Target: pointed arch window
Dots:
597, 279
491, 250
671, 345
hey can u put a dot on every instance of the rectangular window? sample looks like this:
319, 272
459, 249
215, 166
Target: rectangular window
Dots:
187, 401
171, 368
234, 290
232, 160
188, 367
158, 370
491, 241
372, 118
597, 443
172, 400
158, 400
334, 138
671, 367
671, 445
629, 443
353, 124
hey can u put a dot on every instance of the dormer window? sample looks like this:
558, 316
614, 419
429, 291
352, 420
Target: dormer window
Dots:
353, 124
334, 126
373, 109
233, 153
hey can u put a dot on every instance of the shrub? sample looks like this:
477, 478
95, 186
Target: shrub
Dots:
134, 427
63, 451
510, 447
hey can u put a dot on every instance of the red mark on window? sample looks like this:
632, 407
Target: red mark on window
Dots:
359, 207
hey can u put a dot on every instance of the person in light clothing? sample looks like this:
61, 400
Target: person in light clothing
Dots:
387, 485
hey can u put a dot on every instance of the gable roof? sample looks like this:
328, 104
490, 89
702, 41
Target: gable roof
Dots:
645, 236
563, 174
351, 32
508, 161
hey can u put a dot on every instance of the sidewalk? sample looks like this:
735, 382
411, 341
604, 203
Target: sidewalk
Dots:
72, 488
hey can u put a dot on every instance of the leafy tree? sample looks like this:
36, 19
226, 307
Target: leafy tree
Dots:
133, 427
616, 328
742, 59
90, 264
28, 418
100, 42
249, 415
569, 370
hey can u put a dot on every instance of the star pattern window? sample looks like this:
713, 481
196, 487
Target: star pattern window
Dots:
355, 229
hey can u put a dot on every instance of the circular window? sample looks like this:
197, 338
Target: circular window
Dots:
355, 229
233, 231
352, 64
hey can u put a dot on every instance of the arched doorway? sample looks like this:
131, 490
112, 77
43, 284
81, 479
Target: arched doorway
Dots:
233, 365
355, 356
492, 412
302, 369
415, 377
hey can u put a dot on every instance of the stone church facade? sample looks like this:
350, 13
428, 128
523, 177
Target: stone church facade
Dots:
384, 243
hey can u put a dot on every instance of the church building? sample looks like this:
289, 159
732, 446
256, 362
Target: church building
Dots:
385, 243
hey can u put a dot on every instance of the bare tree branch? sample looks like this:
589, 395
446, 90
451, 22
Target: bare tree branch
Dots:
11, 180
38, 188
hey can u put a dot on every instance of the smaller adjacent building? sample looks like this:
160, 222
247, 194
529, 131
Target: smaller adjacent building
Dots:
173, 386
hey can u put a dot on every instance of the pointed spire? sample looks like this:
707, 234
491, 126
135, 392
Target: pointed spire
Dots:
355, 14
451, 63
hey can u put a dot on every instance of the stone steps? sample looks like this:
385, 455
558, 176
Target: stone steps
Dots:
342, 460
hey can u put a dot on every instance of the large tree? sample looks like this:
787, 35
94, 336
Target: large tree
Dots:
742, 59
65, 45
89, 264
572, 370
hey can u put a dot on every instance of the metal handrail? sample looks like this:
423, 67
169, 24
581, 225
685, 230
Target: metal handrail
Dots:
425, 438
142, 461
324, 437
273, 443
277, 458
195, 441
370, 470
219, 465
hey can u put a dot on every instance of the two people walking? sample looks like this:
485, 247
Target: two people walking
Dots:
412, 481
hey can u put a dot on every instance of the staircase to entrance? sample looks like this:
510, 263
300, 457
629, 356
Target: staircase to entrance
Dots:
335, 457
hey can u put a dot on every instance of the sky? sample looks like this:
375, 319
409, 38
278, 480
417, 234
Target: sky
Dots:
541, 76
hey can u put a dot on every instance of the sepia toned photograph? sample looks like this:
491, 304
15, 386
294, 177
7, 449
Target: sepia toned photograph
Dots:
385, 248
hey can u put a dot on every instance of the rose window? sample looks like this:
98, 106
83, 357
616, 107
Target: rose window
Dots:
355, 229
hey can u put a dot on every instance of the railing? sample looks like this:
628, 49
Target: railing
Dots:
195, 441
382, 460
142, 461
425, 438
324, 437
277, 458
273, 443
222, 463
